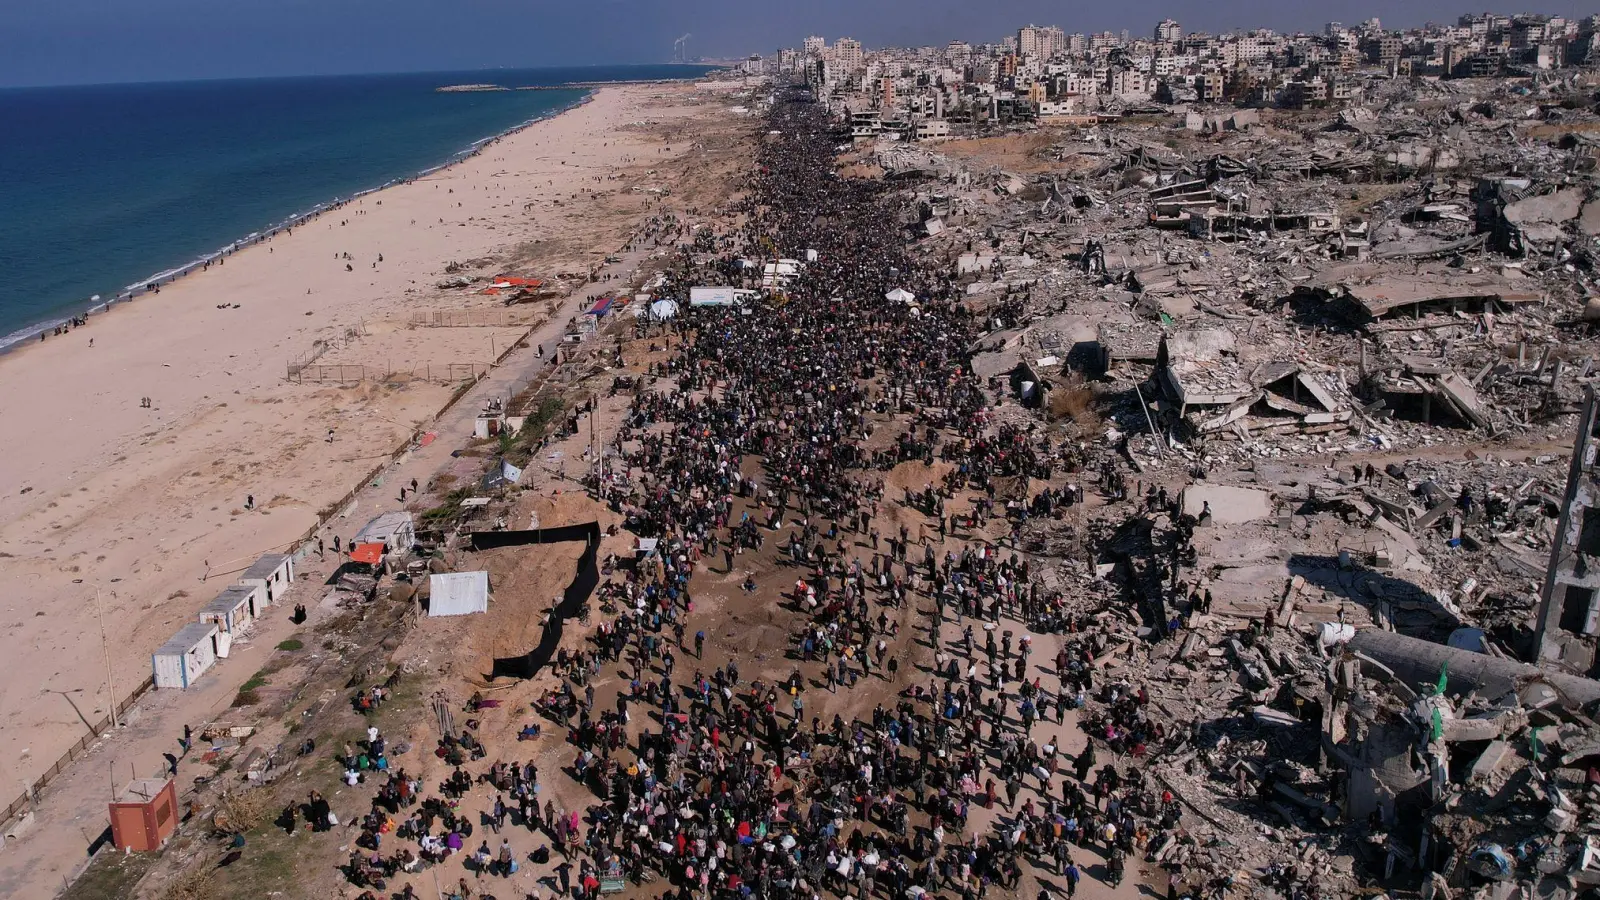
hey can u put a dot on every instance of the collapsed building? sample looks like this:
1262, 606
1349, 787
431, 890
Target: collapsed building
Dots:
1359, 345
1569, 606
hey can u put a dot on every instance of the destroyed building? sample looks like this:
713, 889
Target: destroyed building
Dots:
1569, 607
1356, 342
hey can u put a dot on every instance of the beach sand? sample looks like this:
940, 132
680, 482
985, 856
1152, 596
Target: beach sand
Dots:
145, 507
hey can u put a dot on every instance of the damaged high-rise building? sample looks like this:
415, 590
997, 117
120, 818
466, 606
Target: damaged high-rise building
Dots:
1569, 610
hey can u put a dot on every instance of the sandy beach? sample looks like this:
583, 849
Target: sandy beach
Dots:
146, 507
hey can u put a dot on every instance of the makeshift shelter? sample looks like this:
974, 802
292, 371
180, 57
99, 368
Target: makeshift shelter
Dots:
273, 573
900, 295
395, 530
235, 608
368, 554
1030, 387
664, 310
186, 655
143, 815
502, 476
458, 593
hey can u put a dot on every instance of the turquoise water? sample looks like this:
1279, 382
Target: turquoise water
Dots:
105, 186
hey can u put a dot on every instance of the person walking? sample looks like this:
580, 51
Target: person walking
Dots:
498, 818
507, 860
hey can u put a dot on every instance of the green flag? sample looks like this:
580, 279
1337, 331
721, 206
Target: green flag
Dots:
1533, 742
1444, 677
1438, 724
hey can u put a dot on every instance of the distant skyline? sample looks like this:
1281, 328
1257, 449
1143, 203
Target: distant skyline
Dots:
97, 41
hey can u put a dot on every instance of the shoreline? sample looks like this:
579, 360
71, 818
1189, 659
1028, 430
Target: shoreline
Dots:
37, 332
142, 500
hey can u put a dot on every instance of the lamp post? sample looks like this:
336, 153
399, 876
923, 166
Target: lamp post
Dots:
105, 646
67, 695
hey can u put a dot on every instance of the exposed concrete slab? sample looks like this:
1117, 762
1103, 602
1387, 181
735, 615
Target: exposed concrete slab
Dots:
1561, 206
1229, 505
1589, 219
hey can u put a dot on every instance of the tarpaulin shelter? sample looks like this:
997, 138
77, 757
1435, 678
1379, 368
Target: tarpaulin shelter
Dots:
458, 593
394, 528
900, 295
371, 554
601, 307
503, 475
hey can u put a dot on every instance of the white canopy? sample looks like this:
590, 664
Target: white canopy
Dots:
458, 593
662, 310
900, 295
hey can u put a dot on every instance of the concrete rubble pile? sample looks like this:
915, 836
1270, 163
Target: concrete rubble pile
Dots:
1354, 345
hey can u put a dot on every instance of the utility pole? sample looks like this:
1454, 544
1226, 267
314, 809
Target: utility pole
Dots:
599, 455
105, 646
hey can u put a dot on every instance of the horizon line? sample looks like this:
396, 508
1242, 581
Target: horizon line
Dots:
310, 75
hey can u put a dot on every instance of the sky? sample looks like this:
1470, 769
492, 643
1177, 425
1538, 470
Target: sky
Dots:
45, 42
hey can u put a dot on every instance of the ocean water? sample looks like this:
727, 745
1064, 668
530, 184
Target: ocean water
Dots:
103, 187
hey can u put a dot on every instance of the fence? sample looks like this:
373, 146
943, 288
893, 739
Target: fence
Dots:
24, 802
352, 373
470, 318
320, 346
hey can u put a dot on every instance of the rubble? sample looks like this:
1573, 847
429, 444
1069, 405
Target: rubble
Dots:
1348, 350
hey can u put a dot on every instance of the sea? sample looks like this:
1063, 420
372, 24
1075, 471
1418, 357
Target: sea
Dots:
105, 188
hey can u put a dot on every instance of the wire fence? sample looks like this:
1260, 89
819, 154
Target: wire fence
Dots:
470, 318
30, 796
321, 346
353, 373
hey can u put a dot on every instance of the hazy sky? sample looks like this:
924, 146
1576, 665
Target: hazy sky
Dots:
89, 41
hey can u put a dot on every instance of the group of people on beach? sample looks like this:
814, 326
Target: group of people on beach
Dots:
69, 325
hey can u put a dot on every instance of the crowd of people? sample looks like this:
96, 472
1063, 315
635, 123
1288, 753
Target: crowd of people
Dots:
711, 783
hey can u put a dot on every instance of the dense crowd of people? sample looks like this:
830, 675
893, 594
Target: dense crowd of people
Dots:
712, 784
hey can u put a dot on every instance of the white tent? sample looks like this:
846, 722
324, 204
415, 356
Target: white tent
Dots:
458, 593
900, 295
662, 310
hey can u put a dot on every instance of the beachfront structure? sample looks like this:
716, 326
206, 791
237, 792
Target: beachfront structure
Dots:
143, 815
272, 573
235, 608
395, 530
186, 656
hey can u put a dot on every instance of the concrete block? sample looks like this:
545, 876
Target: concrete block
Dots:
1472, 730
1498, 754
